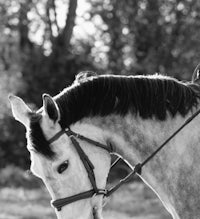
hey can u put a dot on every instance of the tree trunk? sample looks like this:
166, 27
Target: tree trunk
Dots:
66, 34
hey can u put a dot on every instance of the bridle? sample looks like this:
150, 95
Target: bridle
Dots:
59, 203
137, 169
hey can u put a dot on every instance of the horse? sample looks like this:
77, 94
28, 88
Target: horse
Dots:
70, 139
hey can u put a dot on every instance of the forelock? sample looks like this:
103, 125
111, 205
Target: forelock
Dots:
37, 138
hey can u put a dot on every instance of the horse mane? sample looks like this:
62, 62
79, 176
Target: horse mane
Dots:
144, 96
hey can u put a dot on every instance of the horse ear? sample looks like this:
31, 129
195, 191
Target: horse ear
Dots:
50, 108
20, 110
196, 75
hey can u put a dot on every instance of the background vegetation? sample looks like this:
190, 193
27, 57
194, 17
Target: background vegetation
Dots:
45, 43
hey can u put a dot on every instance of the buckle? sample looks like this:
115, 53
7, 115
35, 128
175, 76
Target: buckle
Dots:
102, 192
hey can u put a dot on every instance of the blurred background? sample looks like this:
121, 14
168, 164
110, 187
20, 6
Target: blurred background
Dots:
45, 43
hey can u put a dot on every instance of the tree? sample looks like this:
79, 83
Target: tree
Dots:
36, 71
40, 55
150, 36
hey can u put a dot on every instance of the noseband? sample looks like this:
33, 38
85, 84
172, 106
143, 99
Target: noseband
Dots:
59, 203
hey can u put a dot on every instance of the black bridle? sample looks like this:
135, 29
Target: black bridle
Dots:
59, 203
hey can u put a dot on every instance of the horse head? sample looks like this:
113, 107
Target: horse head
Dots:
57, 162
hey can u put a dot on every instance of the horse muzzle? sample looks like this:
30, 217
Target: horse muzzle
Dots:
97, 213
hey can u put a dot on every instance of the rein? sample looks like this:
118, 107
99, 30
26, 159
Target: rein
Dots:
137, 169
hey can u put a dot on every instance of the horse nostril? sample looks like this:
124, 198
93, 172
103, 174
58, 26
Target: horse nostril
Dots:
96, 214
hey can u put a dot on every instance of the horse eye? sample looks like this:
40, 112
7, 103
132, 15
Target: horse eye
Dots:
63, 167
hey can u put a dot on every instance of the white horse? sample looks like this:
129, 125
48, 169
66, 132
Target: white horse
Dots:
135, 115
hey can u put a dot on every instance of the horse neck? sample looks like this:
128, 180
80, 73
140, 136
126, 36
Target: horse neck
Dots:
135, 139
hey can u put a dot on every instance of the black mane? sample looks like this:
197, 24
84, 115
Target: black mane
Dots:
146, 96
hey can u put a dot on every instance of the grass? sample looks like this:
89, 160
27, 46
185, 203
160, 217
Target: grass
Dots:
133, 201
22, 196
21, 203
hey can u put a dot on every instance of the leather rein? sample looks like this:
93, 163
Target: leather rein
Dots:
137, 169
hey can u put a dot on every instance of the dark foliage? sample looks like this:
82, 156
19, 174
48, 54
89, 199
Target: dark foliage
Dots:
137, 37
